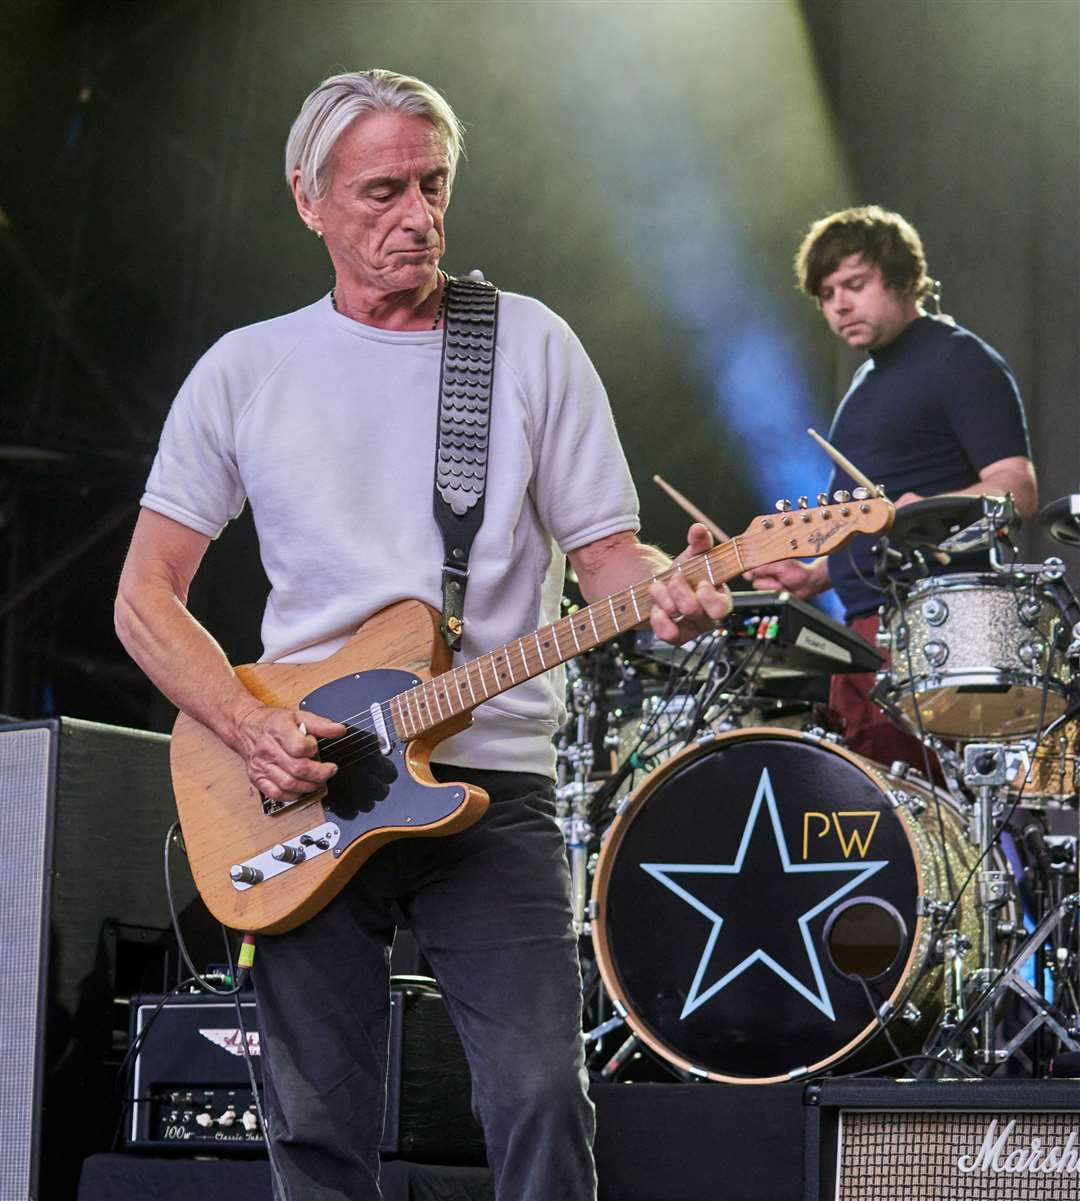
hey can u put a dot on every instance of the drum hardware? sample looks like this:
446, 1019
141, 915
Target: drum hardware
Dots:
707, 1009
1061, 519
979, 1021
987, 775
574, 788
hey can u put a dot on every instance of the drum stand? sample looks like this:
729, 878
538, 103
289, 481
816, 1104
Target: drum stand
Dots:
985, 774
573, 790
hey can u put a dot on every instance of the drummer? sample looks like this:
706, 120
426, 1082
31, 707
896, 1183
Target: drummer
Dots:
933, 410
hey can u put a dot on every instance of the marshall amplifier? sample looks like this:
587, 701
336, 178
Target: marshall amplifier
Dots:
880, 1140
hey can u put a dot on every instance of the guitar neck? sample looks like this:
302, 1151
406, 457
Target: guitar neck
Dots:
429, 705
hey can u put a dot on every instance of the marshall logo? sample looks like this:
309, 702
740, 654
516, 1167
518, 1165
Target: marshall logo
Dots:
995, 1155
231, 1040
818, 538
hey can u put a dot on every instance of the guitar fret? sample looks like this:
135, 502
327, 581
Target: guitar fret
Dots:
429, 703
399, 720
524, 661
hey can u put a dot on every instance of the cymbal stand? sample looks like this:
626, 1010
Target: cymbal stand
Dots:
572, 791
985, 772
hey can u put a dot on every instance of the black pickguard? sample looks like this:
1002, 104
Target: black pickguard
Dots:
372, 791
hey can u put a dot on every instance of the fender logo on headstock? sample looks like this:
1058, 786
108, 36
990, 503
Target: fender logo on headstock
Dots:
818, 538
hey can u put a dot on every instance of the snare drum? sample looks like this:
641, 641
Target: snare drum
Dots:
746, 880
1046, 777
973, 654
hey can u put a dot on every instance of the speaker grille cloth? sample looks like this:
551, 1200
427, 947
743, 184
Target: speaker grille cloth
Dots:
24, 791
882, 1156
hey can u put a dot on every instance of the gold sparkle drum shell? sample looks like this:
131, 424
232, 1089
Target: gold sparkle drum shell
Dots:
972, 656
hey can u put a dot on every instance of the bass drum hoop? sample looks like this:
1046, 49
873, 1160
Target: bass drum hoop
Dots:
605, 862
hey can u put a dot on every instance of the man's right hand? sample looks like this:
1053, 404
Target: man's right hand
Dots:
279, 757
802, 580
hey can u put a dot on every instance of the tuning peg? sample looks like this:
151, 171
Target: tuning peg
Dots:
783, 506
861, 493
804, 502
822, 499
842, 497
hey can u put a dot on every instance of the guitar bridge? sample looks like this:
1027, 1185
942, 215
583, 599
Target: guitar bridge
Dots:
270, 807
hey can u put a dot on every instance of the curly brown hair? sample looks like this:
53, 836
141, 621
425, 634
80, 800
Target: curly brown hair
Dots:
881, 236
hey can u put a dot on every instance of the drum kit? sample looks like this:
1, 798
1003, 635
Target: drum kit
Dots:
758, 903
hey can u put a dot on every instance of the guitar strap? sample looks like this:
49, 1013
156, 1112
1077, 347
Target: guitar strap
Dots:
461, 453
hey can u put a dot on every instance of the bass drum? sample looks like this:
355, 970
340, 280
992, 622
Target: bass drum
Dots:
748, 878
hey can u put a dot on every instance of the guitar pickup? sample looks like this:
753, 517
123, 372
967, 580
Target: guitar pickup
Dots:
283, 856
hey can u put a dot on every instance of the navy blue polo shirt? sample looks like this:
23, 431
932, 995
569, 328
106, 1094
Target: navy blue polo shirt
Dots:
924, 414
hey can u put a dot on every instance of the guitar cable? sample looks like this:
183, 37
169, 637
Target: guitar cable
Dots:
238, 973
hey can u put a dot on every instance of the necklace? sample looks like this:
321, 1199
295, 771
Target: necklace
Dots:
444, 278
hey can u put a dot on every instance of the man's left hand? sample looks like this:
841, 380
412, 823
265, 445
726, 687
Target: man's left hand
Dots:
680, 612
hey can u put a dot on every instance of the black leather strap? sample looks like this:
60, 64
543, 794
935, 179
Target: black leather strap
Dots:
461, 455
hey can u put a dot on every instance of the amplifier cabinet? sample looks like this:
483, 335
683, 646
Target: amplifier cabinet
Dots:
190, 1085
192, 1092
83, 813
991, 1140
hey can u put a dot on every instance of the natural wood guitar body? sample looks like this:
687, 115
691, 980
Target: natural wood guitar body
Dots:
222, 815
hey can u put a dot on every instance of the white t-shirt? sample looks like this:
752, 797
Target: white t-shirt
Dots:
328, 428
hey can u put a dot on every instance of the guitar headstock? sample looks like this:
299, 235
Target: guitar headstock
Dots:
803, 531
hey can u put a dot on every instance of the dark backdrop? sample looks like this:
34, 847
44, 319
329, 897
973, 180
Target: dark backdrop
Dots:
644, 168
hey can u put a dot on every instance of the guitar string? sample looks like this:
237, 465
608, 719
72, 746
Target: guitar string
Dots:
360, 729
696, 570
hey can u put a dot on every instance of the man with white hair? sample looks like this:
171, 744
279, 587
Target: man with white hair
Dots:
325, 419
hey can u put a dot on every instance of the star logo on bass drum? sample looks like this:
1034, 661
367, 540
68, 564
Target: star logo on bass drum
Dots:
666, 873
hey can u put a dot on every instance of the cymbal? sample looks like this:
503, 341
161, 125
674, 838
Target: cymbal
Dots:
1061, 519
935, 520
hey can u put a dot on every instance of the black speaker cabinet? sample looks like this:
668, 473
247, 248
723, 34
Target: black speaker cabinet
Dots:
990, 1140
83, 813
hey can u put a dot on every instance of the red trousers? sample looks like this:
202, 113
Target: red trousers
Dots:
866, 729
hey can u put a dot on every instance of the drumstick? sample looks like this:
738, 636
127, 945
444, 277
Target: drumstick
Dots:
845, 464
689, 507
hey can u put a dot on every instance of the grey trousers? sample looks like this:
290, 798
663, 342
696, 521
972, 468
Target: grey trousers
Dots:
490, 909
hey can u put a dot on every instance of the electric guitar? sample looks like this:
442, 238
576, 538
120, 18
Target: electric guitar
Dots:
267, 866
